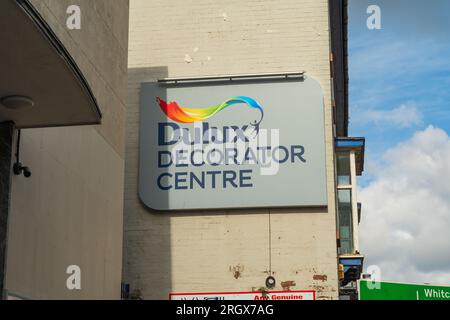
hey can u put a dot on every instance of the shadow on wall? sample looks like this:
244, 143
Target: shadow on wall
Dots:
146, 258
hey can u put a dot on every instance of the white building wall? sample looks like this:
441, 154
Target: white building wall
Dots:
70, 212
227, 250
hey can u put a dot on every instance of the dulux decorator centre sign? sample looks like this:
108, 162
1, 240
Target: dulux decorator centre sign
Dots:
237, 144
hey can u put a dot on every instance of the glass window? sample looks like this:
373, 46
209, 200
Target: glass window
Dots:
343, 168
345, 220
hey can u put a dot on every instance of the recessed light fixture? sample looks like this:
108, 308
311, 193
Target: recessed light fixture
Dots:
16, 102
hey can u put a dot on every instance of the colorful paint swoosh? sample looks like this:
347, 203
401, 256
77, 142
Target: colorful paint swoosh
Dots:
190, 115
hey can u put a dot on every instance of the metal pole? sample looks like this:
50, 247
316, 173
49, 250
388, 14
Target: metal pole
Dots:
6, 150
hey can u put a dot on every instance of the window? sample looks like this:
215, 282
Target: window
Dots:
346, 202
343, 168
345, 220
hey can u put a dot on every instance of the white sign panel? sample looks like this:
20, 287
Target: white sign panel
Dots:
269, 295
216, 146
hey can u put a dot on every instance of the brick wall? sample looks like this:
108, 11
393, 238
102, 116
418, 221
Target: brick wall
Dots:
226, 250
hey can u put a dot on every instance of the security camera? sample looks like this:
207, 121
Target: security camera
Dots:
26, 172
19, 169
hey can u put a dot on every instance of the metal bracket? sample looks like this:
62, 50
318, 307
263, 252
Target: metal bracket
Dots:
237, 77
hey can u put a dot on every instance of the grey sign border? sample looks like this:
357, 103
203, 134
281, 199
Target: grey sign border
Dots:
207, 82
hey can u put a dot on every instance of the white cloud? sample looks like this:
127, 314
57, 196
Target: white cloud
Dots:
405, 227
404, 116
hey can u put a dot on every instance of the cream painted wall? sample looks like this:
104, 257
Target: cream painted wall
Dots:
226, 250
70, 212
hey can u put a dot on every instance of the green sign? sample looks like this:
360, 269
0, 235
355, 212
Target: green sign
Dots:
371, 290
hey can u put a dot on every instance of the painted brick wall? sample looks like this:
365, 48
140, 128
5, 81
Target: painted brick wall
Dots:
226, 250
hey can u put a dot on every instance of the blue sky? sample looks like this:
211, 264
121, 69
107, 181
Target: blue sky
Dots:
399, 75
400, 101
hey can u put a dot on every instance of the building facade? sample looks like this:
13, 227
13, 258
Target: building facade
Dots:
235, 250
70, 211
77, 129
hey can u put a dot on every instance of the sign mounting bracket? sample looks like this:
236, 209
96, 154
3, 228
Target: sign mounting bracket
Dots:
237, 77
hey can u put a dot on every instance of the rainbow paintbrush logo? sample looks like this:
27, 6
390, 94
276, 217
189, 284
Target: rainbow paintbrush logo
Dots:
191, 115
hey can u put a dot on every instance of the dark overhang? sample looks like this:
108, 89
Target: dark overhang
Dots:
339, 64
40, 84
353, 267
355, 144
